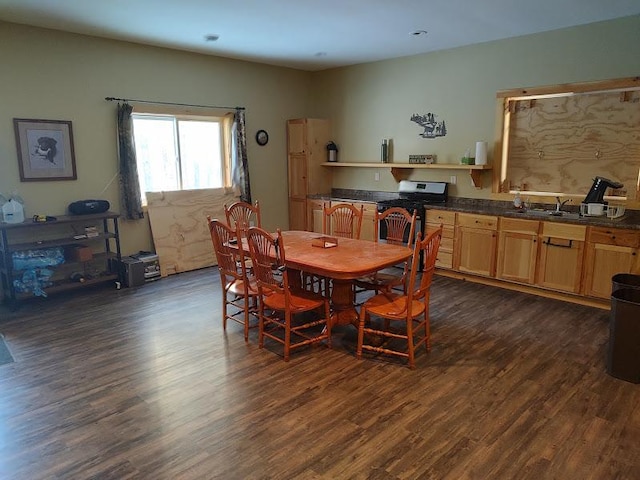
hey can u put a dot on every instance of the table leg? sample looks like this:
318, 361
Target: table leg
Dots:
343, 301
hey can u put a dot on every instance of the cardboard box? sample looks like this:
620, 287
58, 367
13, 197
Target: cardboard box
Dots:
78, 253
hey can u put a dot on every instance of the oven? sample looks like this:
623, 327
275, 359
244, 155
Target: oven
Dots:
413, 195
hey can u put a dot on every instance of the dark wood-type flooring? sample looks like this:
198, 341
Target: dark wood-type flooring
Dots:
144, 384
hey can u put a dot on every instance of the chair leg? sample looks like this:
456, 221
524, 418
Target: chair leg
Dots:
261, 325
246, 319
224, 310
327, 316
410, 345
287, 335
427, 329
361, 322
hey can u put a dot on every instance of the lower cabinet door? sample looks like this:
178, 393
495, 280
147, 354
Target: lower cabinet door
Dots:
475, 251
517, 254
560, 264
603, 262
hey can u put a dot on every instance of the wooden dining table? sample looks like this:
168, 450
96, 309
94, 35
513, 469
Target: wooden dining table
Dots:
348, 260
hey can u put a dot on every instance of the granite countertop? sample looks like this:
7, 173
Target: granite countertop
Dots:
630, 220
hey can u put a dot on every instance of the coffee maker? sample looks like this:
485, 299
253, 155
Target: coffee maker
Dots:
598, 189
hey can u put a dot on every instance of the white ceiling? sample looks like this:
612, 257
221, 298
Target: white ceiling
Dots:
311, 34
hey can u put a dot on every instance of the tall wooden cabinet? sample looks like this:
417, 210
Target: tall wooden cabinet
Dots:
307, 140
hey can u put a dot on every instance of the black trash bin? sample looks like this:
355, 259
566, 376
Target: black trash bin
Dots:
625, 280
623, 359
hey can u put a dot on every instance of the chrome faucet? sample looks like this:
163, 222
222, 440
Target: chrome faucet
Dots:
560, 204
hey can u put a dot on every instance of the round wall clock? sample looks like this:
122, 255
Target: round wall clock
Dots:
262, 137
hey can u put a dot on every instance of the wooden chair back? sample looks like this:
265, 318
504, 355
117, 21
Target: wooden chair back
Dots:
243, 215
429, 246
222, 235
271, 275
342, 220
397, 220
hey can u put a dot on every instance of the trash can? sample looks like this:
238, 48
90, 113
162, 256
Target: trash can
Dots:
623, 359
625, 280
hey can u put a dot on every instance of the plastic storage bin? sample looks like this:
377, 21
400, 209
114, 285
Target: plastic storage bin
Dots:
623, 358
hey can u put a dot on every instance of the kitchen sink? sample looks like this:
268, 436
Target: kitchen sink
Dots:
553, 214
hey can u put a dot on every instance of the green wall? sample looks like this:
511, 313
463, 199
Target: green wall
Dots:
369, 102
46, 74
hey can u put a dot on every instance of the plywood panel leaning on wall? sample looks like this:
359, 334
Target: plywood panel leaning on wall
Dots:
179, 226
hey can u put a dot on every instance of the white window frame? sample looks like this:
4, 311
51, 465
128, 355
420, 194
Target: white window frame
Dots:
225, 122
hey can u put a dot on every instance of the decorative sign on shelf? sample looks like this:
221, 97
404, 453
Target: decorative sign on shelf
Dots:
422, 158
432, 128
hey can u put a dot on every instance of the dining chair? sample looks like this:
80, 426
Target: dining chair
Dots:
342, 220
239, 289
240, 216
280, 306
400, 228
410, 310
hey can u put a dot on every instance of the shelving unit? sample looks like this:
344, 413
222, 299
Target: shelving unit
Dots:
399, 170
65, 231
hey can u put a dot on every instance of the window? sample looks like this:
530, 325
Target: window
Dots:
179, 152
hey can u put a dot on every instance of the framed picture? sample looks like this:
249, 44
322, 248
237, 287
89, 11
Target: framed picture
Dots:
45, 150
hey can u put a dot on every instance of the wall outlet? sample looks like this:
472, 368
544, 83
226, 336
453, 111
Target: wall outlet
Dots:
453, 180
376, 176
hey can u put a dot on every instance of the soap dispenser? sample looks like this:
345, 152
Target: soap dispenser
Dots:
517, 201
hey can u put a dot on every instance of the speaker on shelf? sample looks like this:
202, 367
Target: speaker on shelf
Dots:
84, 207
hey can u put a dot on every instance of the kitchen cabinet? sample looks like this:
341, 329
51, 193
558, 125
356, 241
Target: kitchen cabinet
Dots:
475, 244
609, 251
315, 211
367, 230
69, 253
517, 250
436, 218
307, 139
560, 259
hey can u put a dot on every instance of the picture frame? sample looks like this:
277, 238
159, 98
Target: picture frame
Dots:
45, 150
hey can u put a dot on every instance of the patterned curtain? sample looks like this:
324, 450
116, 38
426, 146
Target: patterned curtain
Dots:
239, 161
129, 185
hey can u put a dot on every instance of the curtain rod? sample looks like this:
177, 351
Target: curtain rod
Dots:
114, 99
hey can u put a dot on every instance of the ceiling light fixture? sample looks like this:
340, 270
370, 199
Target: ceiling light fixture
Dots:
212, 37
417, 33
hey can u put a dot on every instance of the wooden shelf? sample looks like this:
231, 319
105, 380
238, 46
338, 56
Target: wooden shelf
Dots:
398, 169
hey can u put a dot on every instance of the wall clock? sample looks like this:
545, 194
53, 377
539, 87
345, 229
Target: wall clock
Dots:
262, 137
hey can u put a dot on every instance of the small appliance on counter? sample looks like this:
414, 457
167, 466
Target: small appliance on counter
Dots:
594, 205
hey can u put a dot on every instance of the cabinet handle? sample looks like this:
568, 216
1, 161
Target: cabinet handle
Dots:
551, 244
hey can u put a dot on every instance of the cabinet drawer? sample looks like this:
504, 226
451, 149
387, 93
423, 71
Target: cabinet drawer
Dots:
564, 230
441, 217
368, 208
614, 236
447, 230
486, 222
518, 225
445, 259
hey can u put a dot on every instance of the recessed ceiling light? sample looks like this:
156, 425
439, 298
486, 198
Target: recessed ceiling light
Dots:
212, 37
417, 33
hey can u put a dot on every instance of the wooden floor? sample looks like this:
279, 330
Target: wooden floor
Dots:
144, 384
